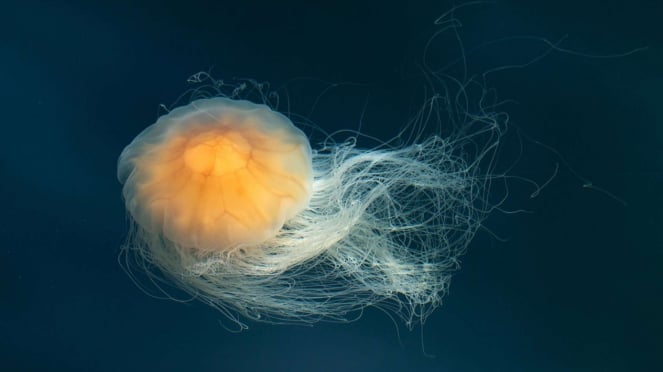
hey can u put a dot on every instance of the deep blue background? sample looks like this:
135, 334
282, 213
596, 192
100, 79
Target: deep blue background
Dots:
576, 286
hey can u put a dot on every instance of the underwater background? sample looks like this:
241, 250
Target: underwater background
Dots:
573, 282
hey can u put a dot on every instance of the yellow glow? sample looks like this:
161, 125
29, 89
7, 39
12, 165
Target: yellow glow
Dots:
219, 185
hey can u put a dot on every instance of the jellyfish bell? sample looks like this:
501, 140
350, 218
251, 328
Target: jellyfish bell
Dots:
217, 174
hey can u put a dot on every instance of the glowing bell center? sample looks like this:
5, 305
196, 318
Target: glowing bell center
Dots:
218, 155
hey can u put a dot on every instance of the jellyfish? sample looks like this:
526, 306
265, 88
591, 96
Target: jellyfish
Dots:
230, 202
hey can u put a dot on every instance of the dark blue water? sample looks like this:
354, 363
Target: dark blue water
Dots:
574, 284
